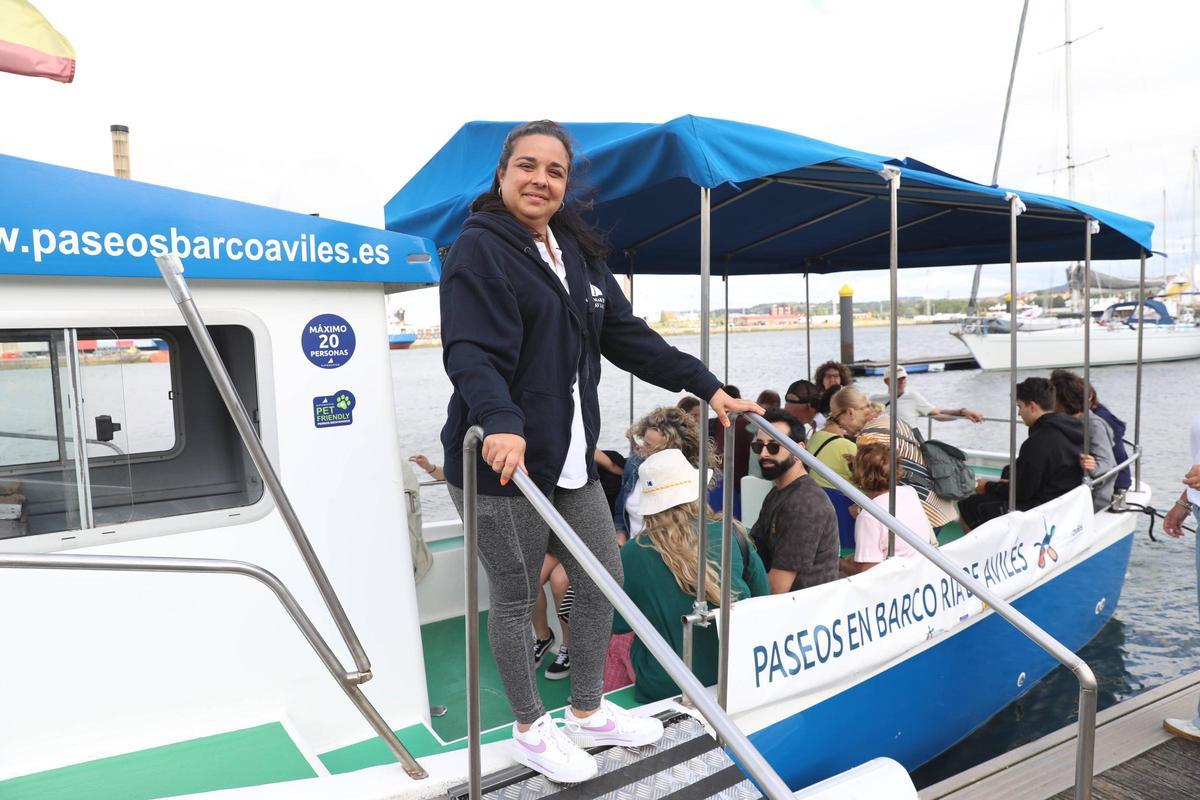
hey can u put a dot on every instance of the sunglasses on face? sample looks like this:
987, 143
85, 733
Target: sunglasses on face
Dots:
772, 447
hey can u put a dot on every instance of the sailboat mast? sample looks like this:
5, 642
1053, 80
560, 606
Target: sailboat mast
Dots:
1195, 170
1070, 109
1012, 77
1166, 252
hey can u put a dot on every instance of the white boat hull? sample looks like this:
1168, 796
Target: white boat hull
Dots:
1063, 347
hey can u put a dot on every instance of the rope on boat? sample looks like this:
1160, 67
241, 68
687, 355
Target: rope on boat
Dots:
1153, 513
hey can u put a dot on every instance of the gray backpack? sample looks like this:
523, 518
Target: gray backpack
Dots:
949, 475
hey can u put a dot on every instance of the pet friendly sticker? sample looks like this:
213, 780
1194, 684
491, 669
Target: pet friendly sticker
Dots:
333, 410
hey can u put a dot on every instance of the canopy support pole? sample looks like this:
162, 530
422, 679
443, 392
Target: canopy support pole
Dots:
1089, 226
893, 179
700, 615
807, 329
629, 273
1137, 392
1015, 207
727, 320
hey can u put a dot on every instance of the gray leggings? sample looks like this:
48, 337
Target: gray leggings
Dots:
513, 541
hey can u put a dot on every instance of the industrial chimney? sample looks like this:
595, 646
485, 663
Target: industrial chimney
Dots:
120, 150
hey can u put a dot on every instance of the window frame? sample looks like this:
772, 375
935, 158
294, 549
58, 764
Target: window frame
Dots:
176, 396
90, 534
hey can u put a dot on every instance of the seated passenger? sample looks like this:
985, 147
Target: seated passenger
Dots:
803, 401
661, 429
1068, 396
832, 373
691, 405
1117, 426
911, 404
1048, 464
849, 411
938, 509
660, 571
741, 452
769, 399
871, 470
796, 532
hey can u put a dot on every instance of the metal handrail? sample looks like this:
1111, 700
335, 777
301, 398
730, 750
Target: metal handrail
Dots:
1091, 482
349, 681
748, 757
1085, 754
172, 272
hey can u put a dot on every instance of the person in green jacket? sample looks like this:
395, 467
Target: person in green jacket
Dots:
661, 571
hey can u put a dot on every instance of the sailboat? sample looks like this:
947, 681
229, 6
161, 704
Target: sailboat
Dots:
1046, 341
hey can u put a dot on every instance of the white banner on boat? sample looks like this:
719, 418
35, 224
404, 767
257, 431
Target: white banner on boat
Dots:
785, 645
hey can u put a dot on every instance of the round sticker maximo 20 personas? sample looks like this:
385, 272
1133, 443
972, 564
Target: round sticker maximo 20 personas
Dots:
328, 341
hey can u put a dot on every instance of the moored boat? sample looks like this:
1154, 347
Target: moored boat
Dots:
1114, 340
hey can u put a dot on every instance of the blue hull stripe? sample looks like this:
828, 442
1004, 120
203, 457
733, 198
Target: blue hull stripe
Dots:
926, 704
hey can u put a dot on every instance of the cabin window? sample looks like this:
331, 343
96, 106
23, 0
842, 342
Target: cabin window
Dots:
157, 439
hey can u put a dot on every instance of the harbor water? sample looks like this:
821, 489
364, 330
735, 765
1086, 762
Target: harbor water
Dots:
1153, 636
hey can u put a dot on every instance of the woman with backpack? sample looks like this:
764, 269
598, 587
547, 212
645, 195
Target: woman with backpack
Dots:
939, 510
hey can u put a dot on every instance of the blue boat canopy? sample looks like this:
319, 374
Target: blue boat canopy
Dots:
781, 203
60, 221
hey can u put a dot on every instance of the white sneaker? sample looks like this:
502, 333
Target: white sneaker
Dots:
1183, 728
545, 748
613, 725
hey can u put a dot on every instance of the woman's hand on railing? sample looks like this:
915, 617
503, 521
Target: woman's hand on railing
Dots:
504, 452
724, 405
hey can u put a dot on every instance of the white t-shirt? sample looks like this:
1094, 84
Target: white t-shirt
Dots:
574, 472
871, 535
1192, 494
910, 406
633, 502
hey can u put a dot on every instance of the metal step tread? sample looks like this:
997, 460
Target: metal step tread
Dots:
686, 764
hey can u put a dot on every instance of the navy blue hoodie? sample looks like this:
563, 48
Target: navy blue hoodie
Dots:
513, 342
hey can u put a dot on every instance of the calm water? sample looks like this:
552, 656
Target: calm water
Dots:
1152, 637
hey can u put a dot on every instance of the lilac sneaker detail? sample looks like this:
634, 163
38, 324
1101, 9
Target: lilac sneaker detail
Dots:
540, 747
611, 725
607, 727
546, 749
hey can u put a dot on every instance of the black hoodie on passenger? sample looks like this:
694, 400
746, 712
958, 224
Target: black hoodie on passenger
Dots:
514, 341
1048, 463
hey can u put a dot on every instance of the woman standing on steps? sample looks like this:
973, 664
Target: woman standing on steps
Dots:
528, 307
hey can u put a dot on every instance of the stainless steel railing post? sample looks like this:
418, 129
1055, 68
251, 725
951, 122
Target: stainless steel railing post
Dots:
726, 566
471, 569
346, 680
172, 271
1085, 752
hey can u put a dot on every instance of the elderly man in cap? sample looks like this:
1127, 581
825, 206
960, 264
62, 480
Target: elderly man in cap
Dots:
911, 404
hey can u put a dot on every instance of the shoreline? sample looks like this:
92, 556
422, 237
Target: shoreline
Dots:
694, 330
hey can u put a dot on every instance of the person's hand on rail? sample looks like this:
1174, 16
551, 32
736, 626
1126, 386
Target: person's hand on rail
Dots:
725, 405
504, 452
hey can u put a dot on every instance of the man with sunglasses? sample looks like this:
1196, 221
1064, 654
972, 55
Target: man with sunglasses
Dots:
796, 532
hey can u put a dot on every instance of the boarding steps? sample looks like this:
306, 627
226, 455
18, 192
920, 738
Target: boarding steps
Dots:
686, 764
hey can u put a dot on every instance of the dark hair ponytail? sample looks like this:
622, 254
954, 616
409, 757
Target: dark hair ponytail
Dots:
567, 219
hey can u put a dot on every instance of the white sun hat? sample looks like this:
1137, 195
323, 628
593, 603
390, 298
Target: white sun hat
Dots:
666, 479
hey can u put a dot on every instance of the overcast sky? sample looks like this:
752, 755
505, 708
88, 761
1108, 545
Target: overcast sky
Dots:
331, 107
